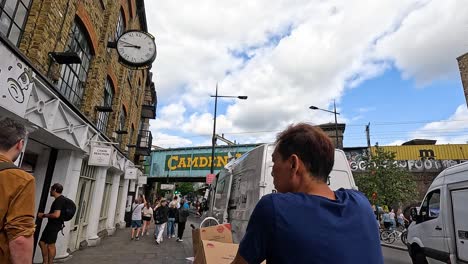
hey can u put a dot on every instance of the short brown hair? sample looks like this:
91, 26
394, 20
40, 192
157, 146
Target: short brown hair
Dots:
11, 132
311, 145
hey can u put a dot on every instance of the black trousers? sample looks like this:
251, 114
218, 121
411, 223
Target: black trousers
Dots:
180, 229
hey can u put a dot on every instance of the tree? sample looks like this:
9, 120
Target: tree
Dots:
391, 184
184, 188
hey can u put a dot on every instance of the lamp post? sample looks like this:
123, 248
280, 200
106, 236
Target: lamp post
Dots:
336, 122
213, 139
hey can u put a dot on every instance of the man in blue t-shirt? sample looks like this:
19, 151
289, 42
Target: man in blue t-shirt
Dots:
307, 222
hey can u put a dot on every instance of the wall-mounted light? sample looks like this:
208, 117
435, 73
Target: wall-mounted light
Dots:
65, 57
106, 109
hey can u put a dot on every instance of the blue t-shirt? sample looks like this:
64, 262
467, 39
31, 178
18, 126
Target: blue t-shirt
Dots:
301, 228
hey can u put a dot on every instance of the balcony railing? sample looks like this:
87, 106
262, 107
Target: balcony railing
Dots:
144, 142
148, 109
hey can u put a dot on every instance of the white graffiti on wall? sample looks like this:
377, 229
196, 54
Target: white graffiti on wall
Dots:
426, 165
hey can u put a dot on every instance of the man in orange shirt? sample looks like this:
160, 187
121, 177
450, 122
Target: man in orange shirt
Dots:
16, 197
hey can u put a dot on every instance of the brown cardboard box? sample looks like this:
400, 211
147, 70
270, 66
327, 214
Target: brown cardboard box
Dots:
218, 233
213, 252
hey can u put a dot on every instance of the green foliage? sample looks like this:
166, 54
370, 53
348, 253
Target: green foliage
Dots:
392, 184
184, 188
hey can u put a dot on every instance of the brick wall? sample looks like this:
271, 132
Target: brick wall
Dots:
463, 65
47, 29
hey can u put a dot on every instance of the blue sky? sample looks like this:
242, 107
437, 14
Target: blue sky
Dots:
386, 62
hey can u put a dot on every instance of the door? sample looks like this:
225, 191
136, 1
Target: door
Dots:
432, 228
83, 198
460, 218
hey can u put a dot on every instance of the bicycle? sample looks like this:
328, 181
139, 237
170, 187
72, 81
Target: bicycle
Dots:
389, 236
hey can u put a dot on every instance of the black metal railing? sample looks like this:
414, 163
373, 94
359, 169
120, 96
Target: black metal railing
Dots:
148, 109
145, 139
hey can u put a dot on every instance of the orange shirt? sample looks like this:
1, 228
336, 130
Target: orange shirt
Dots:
16, 207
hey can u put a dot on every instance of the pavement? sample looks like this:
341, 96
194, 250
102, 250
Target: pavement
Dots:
398, 245
120, 249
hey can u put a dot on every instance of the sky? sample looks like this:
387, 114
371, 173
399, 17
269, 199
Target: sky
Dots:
388, 63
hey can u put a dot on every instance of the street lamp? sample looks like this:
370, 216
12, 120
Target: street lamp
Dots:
336, 122
213, 139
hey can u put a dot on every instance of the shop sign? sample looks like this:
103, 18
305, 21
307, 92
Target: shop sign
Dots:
100, 156
209, 178
167, 186
131, 174
142, 180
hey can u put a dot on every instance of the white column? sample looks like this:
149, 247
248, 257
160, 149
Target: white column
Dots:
110, 226
93, 222
123, 204
66, 172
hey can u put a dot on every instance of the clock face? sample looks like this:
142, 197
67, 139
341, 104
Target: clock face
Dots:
136, 48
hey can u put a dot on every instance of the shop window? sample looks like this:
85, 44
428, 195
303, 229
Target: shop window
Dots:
13, 14
106, 197
73, 76
103, 117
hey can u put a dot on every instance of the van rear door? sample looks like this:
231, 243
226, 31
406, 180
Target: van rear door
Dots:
460, 218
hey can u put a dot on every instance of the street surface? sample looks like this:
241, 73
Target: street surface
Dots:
395, 256
120, 249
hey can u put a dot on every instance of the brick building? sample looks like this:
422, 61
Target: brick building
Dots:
463, 65
60, 78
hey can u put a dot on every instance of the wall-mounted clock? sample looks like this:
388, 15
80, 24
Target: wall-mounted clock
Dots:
136, 49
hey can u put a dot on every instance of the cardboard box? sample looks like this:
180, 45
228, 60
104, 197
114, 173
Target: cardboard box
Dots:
218, 233
213, 252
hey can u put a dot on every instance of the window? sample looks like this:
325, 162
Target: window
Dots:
103, 117
120, 25
13, 15
73, 76
431, 206
106, 197
122, 120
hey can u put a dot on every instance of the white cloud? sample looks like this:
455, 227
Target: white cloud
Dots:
288, 55
450, 131
169, 141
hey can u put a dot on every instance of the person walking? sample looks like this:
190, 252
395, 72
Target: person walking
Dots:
306, 221
147, 215
160, 219
392, 218
387, 221
183, 215
54, 224
172, 218
17, 192
137, 208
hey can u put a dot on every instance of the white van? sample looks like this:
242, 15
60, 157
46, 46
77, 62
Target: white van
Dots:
439, 233
243, 181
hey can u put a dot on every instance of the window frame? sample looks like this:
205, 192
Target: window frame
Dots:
107, 100
73, 77
426, 206
13, 18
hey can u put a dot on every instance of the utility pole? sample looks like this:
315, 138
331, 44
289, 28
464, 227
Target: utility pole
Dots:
368, 139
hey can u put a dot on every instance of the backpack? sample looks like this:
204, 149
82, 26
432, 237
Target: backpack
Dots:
68, 210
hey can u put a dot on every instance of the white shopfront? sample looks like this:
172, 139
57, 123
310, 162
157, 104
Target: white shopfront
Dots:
64, 147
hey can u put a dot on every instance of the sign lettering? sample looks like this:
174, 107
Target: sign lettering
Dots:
200, 161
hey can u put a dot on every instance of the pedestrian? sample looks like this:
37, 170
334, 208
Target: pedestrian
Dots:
392, 218
160, 219
172, 218
137, 208
147, 215
306, 221
54, 224
183, 215
17, 192
401, 219
387, 221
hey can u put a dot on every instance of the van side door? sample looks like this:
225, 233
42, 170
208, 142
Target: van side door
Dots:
432, 228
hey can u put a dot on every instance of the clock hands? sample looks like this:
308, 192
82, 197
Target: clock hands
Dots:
130, 45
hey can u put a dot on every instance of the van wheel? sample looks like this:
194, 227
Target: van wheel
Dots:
418, 257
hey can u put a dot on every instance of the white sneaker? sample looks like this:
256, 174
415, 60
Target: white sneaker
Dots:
180, 240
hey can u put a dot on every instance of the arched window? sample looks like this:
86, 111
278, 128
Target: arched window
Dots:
13, 14
73, 76
122, 120
120, 25
103, 117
